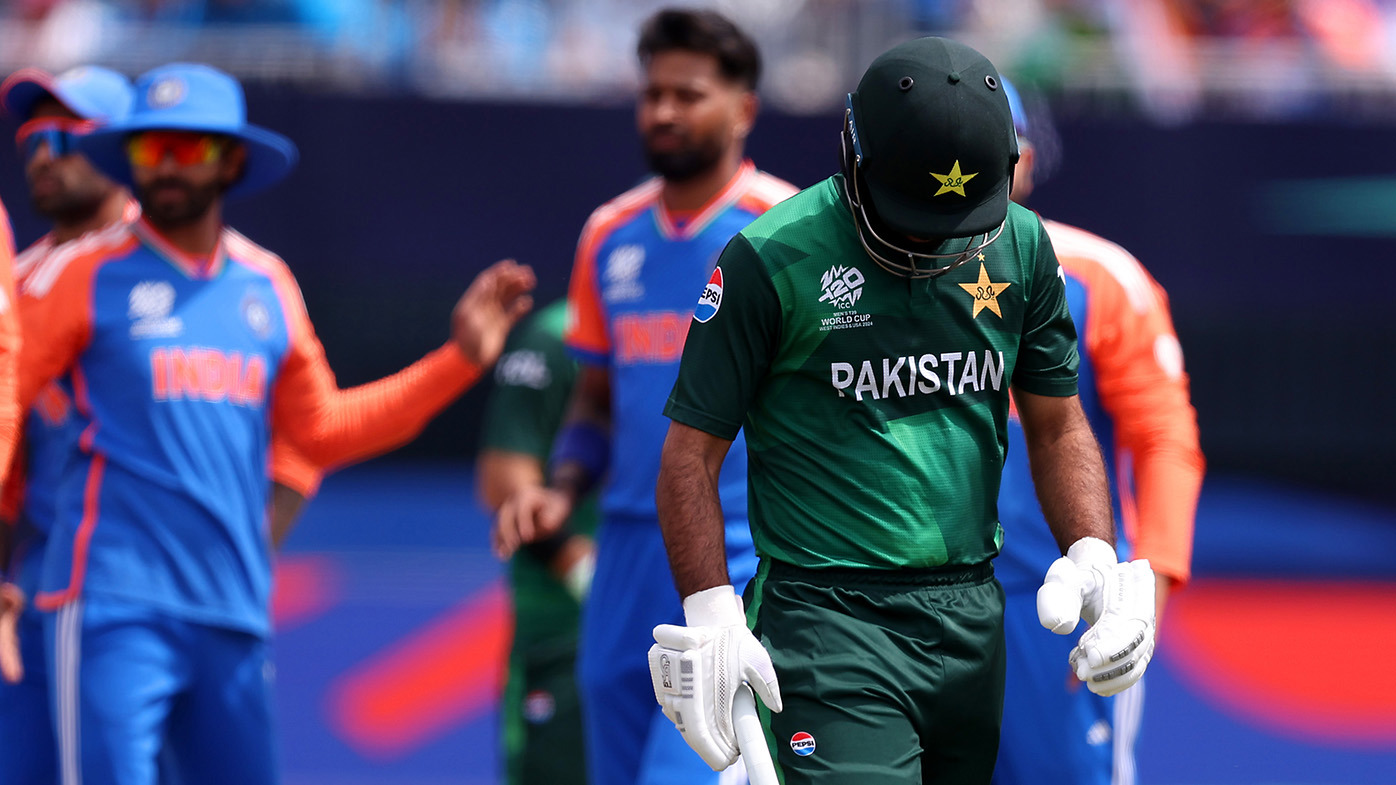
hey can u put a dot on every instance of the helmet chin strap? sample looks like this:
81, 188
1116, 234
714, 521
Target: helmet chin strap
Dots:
911, 268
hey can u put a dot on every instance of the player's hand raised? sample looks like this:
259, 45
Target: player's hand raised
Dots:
11, 606
497, 298
531, 514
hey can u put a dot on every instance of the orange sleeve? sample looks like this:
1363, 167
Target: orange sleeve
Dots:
289, 468
9, 348
332, 427
55, 314
586, 331
1138, 363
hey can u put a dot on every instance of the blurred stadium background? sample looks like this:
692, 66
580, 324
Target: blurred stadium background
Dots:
1243, 150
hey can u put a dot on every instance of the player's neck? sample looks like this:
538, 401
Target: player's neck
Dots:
107, 213
692, 194
198, 238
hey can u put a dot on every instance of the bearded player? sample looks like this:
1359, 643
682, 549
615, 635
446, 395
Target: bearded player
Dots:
642, 259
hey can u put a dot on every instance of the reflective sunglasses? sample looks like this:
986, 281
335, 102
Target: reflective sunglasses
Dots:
59, 133
187, 148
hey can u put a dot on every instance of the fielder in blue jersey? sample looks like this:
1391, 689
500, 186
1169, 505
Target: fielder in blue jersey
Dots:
641, 261
53, 112
186, 344
1135, 395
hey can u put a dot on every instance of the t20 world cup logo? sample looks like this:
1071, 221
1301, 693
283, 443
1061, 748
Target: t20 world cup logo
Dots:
842, 286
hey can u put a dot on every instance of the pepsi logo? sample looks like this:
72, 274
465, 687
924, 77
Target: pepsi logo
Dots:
711, 299
539, 706
802, 743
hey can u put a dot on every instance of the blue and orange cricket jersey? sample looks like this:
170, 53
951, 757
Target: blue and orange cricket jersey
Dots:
50, 440
1135, 393
180, 370
638, 273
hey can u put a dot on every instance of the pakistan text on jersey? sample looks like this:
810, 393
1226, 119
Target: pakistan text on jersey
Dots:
903, 377
199, 374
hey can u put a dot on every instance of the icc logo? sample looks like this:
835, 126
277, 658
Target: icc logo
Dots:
621, 280
149, 305
151, 300
842, 286
711, 299
802, 743
624, 263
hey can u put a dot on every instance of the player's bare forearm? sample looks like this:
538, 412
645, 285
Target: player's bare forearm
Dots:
1067, 468
589, 404
499, 474
690, 512
286, 506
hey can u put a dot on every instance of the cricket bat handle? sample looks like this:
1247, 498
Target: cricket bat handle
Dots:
751, 740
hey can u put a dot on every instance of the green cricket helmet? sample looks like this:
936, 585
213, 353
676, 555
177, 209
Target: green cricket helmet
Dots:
928, 155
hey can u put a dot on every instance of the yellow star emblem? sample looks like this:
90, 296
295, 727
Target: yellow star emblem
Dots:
954, 181
985, 293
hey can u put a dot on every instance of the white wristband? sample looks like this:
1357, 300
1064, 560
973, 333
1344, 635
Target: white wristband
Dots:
715, 607
1090, 551
577, 579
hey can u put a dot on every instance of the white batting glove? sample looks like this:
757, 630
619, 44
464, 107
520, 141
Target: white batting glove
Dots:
1116, 599
696, 671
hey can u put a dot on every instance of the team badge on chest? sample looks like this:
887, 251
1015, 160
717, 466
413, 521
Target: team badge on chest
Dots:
257, 316
985, 292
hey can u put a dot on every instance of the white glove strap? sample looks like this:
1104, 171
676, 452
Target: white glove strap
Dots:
1090, 552
716, 607
1096, 560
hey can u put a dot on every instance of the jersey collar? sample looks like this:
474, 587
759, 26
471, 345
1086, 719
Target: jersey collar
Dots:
730, 193
192, 267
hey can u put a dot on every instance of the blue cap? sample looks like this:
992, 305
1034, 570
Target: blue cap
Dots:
1015, 105
88, 91
193, 97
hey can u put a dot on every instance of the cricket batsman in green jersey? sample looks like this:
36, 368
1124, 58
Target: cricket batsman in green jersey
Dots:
866, 333
542, 719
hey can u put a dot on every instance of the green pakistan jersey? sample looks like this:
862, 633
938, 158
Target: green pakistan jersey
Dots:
533, 381
875, 406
